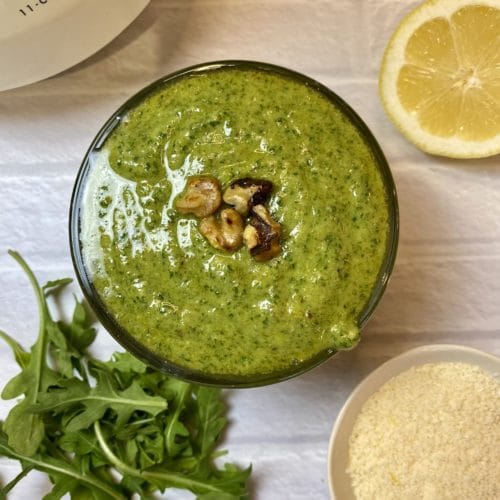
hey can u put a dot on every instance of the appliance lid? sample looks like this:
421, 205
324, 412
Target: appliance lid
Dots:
40, 38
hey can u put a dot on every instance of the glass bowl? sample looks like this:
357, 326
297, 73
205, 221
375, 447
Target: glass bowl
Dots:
125, 338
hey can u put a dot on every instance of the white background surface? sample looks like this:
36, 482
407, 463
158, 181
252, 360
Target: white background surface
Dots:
446, 282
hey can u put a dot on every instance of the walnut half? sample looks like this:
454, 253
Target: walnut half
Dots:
262, 235
202, 196
245, 193
224, 233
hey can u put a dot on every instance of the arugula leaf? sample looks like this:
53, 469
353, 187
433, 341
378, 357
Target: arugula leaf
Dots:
52, 286
79, 333
58, 468
95, 401
175, 431
80, 442
210, 421
21, 356
229, 480
109, 429
25, 430
70, 341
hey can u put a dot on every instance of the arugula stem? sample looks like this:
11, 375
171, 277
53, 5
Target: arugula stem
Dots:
115, 401
142, 422
42, 327
51, 468
178, 481
180, 406
121, 466
12, 484
174, 479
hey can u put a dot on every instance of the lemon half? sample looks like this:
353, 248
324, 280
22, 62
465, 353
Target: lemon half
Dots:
440, 77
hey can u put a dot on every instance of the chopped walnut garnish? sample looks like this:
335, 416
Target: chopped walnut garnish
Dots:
225, 230
225, 233
262, 235
243, 194
250, 236
201, 198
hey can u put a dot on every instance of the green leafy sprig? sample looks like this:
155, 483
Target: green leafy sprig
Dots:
108, 429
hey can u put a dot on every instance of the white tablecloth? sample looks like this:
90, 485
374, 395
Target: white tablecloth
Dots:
446, 284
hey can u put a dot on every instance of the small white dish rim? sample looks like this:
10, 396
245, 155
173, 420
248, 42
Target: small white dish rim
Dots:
338, 449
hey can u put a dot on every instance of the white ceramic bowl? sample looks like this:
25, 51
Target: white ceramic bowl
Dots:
338, 480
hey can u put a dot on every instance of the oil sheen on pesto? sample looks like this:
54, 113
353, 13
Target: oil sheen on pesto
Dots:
219, 312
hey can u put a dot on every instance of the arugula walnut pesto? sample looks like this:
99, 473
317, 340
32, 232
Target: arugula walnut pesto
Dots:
196, 304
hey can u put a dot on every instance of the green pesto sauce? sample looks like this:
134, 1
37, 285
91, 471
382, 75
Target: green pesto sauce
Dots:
226, 313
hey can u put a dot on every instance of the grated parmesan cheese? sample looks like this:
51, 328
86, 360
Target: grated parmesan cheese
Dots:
430, 433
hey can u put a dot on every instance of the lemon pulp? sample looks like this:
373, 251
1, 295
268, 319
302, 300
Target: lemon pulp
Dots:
440, 78
449, 78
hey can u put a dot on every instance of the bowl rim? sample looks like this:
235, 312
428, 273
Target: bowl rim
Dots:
126, 339
344, 423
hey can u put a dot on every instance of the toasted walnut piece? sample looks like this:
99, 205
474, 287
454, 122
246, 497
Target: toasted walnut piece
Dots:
243, 194
202, 196
225, 233
262, 235
250, 236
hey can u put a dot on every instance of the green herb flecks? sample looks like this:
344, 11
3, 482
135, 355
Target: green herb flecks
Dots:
108, 429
